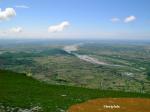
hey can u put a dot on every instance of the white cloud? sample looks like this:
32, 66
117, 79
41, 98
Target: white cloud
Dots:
22, 6
16, 30
7, 14
13, 32
58, 27
129, 19
115, 19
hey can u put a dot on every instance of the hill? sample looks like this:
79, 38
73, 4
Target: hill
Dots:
19, 92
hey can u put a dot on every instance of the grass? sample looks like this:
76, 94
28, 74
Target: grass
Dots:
18, 90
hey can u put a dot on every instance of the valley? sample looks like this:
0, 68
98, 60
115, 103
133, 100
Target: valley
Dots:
99, 65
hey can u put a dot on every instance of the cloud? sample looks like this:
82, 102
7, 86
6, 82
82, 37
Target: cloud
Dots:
22, 6
129, 19
16, 30
58, 27
13, 32
115, 19
7, 14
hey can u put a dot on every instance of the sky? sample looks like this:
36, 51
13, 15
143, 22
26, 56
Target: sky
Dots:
101, 19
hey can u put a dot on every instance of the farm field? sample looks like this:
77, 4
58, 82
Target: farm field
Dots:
126, 65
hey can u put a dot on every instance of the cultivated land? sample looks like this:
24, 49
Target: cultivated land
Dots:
123, 66
21, 93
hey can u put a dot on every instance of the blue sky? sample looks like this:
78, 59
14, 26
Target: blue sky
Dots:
123, 19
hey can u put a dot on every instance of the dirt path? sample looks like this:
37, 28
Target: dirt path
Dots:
113, 105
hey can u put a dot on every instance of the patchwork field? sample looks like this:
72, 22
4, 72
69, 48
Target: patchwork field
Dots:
127, 65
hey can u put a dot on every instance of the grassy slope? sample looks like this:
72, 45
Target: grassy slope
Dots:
21, 91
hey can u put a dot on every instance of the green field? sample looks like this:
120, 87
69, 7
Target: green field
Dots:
47, 61
19, 91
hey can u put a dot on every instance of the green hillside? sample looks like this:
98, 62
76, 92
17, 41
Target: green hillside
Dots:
19, 91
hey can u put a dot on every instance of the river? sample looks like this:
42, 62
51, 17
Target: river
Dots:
71, 50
